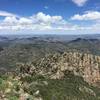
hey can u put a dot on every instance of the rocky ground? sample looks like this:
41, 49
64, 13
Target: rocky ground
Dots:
67, 76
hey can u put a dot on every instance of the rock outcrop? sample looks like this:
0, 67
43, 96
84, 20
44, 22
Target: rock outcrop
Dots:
61, 75
58, 65
82, 64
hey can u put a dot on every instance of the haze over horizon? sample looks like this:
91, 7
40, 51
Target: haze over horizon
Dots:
49, 17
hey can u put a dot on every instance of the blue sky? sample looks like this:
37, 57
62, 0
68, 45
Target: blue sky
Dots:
49, 16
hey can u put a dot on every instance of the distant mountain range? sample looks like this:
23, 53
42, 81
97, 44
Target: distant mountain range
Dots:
50, 37
20, 49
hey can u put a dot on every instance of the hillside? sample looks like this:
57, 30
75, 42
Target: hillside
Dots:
50, 69
33, 49
67, 76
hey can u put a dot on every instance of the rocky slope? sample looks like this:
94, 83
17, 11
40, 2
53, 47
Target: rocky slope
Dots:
67, 76
81, 64
58, 65
29, 49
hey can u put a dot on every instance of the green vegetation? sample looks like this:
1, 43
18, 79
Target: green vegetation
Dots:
34, 50
69, 88
29, 70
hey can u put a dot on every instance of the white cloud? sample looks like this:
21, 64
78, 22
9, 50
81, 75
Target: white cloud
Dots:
24, 20
43, 23
43, 18
4, 13
39, 21
79, 2
10, 20
89, 15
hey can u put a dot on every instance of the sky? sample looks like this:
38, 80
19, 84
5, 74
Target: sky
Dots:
50, 17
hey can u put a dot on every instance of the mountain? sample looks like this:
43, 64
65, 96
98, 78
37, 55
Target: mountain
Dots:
85, 40
80, 64
50, 68
85, 45
3, 38
66, 76
35, 48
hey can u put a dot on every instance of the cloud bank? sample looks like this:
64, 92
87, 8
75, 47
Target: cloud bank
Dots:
45, 23
88, 15
39, 21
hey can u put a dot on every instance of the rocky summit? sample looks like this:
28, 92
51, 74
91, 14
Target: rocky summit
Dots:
80, 64
66, 76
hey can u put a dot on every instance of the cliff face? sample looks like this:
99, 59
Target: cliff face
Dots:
81, 64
